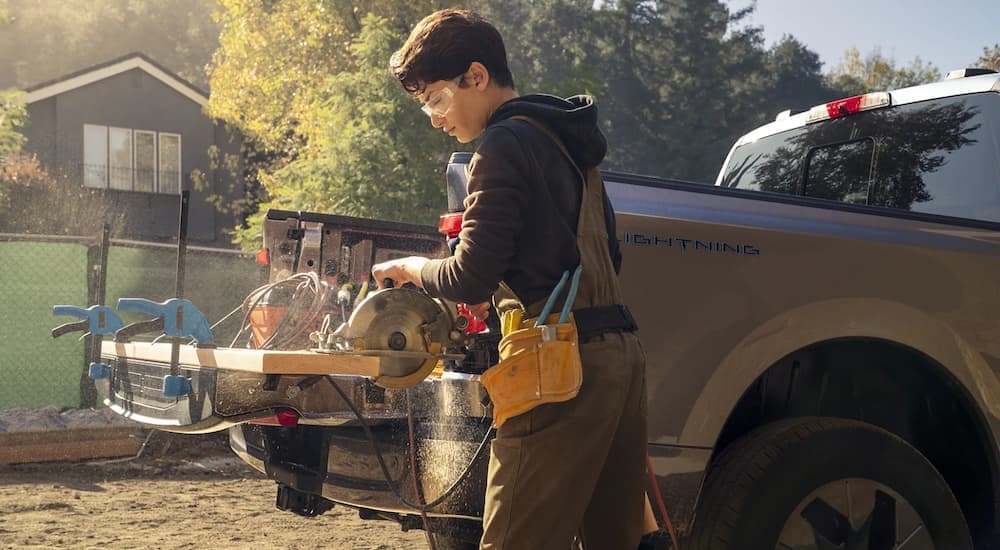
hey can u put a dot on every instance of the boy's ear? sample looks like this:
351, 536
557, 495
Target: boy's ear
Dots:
479, 75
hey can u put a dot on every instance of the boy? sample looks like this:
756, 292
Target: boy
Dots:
560, 469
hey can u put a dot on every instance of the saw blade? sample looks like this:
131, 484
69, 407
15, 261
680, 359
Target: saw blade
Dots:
401, 322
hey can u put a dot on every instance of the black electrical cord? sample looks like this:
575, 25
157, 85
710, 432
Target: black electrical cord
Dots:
306, 287
304, 284
385, 469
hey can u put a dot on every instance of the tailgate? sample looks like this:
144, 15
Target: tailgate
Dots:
230, 385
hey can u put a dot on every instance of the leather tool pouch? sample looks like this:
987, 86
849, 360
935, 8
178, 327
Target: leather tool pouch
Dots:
537, 365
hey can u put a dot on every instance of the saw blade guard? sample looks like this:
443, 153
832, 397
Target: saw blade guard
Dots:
406, 328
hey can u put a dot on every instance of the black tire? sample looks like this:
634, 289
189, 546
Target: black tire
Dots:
759, 481
444, 542
455, 534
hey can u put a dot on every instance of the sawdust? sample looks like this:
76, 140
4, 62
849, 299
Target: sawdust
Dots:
56, 418
182, 492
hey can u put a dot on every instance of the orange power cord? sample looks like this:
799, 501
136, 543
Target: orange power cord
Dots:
659, 503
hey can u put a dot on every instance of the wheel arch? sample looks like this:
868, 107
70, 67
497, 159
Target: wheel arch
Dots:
871, 360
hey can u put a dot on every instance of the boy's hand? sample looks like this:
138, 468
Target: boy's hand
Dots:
401, 271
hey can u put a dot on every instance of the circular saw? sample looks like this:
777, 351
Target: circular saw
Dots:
408, 331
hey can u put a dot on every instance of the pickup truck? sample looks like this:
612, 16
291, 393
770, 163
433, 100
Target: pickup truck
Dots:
821, 329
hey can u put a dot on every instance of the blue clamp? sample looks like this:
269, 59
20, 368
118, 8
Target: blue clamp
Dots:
96, 319
99, 371
176, 385
180, 317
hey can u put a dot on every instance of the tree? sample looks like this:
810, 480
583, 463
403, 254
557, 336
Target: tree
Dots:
270, 71
798, 82
990, 58
308, 84
550, 44
12, 116
874, 72
683, 81
374, 151
676, 82
46, 40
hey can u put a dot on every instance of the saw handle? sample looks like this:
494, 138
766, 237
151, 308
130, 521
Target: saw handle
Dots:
390, 283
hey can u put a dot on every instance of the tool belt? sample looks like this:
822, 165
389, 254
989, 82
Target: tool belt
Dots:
594, 321
538, 365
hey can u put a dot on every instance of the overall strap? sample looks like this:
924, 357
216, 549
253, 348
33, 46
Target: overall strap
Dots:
599, 282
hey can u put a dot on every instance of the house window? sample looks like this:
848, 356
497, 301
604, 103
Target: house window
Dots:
95, 156
131, 160
120, 158
170, 163
145, 161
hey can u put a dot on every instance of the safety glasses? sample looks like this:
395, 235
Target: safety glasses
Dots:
440, 104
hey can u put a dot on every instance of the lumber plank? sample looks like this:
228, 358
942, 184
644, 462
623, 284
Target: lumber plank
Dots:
68, 444
250, 360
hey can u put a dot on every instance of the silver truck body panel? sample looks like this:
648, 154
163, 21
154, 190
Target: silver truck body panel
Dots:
710, 253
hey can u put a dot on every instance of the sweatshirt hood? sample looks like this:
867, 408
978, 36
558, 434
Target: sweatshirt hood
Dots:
573, 119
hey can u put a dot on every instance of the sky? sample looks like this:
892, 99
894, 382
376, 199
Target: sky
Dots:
948, 34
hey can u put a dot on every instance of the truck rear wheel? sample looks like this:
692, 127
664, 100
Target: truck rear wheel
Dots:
442, 542
816, 483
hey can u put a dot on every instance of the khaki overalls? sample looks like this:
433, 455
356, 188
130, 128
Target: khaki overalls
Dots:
577, 467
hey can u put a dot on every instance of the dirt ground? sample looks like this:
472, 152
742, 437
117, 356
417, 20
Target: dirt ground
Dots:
182, 492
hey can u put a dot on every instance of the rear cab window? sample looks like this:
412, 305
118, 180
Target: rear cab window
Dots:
936, 157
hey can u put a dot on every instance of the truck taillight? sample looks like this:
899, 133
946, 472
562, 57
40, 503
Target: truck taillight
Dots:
284, 417
848, 106
450, 225
263, 257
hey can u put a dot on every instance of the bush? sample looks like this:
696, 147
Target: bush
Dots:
34, 202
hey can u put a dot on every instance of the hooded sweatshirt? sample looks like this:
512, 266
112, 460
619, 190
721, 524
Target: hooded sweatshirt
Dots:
520, 219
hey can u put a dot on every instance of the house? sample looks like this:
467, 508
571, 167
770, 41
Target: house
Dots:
137, 131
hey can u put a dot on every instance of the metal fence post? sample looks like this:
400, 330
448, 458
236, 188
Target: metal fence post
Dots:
97, 283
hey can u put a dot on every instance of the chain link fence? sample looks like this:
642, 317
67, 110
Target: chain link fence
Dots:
38, 272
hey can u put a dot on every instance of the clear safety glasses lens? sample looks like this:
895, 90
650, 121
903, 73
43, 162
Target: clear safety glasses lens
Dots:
439, 105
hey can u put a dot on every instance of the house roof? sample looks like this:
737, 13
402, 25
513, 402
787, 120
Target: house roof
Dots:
111, 68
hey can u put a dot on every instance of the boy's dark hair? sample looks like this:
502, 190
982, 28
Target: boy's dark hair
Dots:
444, 44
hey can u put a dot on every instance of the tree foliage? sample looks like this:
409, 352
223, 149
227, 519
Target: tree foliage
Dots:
875, 72
269, 74
990, 58
333, 131
797, 82
12, 118
326, 128
677, 81
46, 40
373, 154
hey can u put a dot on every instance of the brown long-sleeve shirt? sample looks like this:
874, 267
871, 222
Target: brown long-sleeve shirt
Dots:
520, 219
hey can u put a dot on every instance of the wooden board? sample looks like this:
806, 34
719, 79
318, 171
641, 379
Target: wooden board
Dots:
69, 444
251, 360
